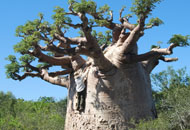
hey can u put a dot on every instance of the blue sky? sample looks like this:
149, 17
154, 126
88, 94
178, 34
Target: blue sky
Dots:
174, 13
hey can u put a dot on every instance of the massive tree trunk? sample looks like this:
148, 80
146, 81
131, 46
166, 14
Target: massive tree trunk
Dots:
112, 98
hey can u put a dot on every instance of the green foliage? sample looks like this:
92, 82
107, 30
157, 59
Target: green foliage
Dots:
42, 65
26, 44
155, 46
176, 105
157, 124
26, 59
6, 102
60, 17
172, 101
40, 31
180, 40
46, 99
84, 6
177, 39
173, 108
32, 33
71, 1
29, 28
170, 78
13, 67
142, 6
44, 114
11, 58
41, 15
102, 22
103, 38
169, 81
104, 8
81, 33
155, 21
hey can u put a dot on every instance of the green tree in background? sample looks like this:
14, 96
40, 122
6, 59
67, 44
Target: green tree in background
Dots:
172, 101
44, 114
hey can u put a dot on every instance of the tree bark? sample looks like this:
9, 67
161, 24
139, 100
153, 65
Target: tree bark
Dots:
112, 98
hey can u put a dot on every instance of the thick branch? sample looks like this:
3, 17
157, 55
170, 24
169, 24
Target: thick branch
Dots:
61, 81
167, 59
59, 52
65, 62
155, 52
131, 40
150, 64
75, 26
65, 40
154, 61
32, 67
51, 77
94, 50
128, 25
150, 59
27, 74
57, 73
125, 21
128, 42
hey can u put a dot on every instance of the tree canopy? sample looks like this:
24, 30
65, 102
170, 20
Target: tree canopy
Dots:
44, 44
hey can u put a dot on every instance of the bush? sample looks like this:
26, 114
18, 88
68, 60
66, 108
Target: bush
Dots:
44, 114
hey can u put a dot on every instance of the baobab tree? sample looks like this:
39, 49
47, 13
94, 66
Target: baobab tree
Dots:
116, 79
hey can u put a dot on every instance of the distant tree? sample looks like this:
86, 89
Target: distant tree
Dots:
117, 77
46, 99
172, 101
17, 114
168, 80
62, 107
7, 102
